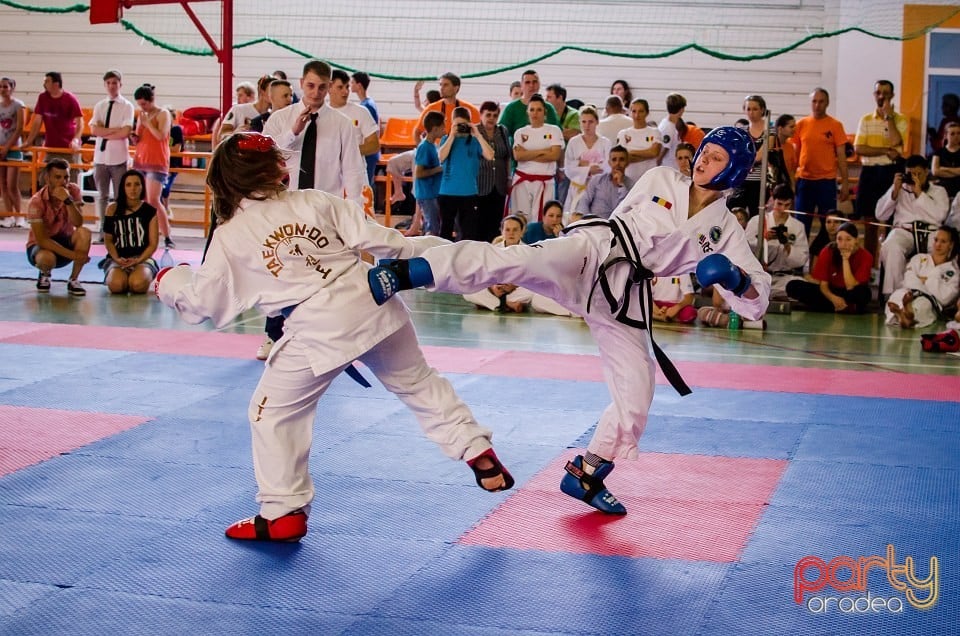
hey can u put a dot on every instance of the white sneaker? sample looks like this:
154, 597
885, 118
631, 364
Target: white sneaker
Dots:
264, 351
23, 222
7, 222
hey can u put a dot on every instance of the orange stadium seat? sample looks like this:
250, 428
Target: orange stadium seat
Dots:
87, 116
398, 134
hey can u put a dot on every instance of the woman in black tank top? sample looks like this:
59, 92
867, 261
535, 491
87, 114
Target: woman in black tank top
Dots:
131, 235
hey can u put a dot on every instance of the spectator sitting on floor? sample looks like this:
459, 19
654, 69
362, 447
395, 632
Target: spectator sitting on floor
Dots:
828, 234
131, 235
57, 237
931, 282
841, 276
506, 298
718, 313
549, 228
673, 299
785, 252
503, 297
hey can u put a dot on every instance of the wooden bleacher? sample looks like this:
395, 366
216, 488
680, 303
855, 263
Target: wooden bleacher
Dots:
35, 159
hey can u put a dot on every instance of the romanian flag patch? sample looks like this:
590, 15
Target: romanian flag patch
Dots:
662, 202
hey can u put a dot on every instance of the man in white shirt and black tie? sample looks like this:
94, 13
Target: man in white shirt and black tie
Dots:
324, 154
333, 162
111, 124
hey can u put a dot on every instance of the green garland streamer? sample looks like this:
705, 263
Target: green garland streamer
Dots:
76, 8
207, 52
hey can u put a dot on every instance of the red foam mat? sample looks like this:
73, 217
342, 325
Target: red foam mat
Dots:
693, 507
201, 343
521, 364
30, 435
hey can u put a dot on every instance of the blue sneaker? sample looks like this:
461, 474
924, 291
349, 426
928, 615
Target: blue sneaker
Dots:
589, 488
393, 275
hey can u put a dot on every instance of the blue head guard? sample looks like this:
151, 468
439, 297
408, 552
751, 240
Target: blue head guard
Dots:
742, 153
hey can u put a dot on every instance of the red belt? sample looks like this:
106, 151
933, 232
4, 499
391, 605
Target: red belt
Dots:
522, 177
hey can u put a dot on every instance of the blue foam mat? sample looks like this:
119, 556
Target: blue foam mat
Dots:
169, 439
133, 524
377, 625
866, 488
787, 534
16, 265
57, 547
30, 363
557, 592
347, 574
75, 391
98, 612
15, 595
181, 369
90, 483
890, 445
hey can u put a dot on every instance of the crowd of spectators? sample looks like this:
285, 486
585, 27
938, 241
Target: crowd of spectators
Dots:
542, 158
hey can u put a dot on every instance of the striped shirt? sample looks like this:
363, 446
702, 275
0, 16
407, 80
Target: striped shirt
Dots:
495, 173
873, 131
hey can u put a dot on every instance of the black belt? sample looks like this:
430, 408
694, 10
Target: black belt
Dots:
937, 308
640, 275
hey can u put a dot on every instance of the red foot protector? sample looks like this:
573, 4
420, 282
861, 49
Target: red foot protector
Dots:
691, 507
290, 527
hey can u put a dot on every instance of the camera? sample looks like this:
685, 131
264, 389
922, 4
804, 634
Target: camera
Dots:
463, 129
907, 178
782, 234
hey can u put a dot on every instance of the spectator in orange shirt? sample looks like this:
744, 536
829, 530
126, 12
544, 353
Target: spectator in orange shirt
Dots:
821, 146
449, 87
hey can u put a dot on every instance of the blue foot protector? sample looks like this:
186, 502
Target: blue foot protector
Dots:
590, 488
393, 275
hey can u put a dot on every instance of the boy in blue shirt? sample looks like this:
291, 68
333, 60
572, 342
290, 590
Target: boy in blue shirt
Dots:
426, 173
460, 153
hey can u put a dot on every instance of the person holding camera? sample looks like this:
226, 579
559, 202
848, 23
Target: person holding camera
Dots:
918, 207
460, 153
785, 250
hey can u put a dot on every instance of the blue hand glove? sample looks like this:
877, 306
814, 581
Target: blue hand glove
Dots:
717, 269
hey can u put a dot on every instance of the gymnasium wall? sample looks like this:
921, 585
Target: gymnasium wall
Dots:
847, 65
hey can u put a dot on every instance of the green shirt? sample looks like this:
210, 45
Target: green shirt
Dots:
571, 120
514, 117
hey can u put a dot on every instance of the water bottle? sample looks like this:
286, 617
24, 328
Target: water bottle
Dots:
734, 322
167, 259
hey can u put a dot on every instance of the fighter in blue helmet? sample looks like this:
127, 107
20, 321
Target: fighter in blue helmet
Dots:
668, 225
